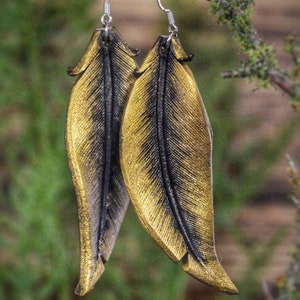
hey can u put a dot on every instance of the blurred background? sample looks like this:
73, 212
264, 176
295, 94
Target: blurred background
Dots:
253, 130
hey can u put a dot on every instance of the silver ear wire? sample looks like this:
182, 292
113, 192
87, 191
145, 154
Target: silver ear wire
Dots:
106, 17
173, 29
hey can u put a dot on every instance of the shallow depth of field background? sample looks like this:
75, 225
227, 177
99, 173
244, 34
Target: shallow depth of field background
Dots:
253, 130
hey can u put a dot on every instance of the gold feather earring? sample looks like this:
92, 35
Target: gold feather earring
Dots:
166, 160
105, 77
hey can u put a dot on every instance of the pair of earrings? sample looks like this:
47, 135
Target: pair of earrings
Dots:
141, 134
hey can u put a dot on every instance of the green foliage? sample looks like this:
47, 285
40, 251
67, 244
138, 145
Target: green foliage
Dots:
37, 256
292, 47
260, 63
39, 262
237, 16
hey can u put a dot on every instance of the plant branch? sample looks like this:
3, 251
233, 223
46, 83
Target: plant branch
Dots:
260, 64
291, 286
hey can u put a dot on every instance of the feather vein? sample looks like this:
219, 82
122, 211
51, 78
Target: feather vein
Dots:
166, 146
92, 142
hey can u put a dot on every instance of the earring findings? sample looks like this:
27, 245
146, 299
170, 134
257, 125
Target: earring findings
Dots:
106, 17
144, 132
173, 29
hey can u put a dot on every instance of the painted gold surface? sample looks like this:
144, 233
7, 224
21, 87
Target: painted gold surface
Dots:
105, 77
166, 148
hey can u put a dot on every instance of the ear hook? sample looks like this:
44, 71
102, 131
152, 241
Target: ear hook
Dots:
173, 29
106, 17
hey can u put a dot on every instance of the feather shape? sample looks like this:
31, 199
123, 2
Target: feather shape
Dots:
105, 77
166, 149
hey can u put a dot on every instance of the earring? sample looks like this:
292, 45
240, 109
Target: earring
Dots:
166, 160
105, 77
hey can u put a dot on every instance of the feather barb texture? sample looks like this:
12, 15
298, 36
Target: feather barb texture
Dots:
105, 77
166, 161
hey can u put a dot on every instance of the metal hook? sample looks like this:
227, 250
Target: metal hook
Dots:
106, 17
173, 29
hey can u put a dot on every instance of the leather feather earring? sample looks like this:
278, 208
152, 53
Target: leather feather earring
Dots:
166, 160
105, 77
